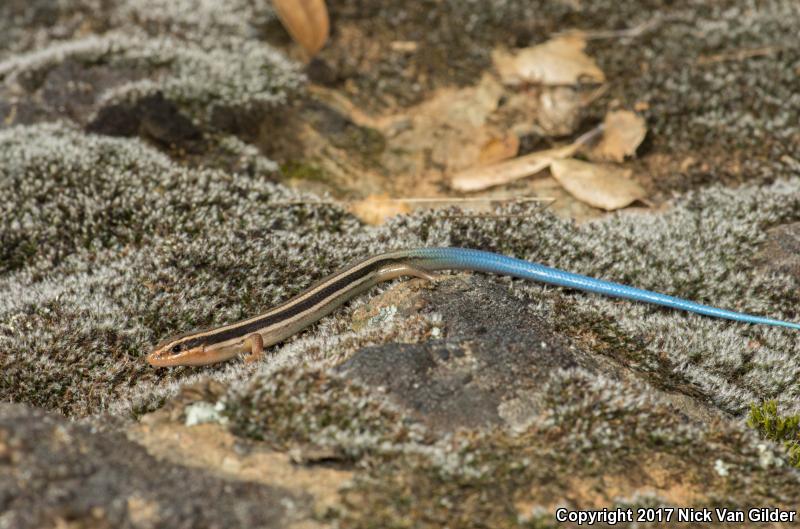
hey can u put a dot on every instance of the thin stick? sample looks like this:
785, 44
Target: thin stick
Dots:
739, 55
422, 200
503, 172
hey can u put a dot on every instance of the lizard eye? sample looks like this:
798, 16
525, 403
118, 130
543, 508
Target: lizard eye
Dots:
177, 348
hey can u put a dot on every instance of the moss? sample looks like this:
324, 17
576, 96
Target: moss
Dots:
366, 141
291, 407
453, 39
228, 83
236, 74
713, 96
592, 430
784, 429
303, 171
601, 334
144, 407
591, 434
108, 246
195, 18
127, 239
121, 223
706, 98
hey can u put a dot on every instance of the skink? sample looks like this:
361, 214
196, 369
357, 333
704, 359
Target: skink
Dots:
252, 335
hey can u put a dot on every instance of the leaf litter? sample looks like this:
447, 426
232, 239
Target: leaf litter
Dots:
558, 62
602, 186
623, 132
470, 137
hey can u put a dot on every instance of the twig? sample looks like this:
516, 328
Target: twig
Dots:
423, 200
739, 55
483, 177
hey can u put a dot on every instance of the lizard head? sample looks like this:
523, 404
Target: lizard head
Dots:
183, 350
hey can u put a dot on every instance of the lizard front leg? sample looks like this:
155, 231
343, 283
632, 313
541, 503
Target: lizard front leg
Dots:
256, 345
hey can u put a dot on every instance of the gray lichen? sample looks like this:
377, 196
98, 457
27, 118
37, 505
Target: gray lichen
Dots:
95, 234
234, 73
196, 19
115, 222
296, 407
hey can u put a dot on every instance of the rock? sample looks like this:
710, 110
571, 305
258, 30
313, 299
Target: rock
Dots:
481, 366
153, 117
780, 253
55, 472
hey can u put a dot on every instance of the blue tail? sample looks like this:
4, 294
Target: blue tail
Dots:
477, 260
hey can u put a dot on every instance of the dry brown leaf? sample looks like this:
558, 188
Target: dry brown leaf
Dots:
498, 149
623, 131
446, 132
559, 110
559, 61
306, 21
377, 208
479, 178
602, 186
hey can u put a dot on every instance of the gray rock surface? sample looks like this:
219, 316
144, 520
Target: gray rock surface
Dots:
484, 361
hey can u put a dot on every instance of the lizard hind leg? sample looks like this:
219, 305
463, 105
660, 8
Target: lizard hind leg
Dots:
399, 270
256, 344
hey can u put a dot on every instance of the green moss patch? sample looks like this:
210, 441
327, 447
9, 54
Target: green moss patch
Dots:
785, 429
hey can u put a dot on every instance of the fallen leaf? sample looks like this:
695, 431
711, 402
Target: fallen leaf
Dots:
559, 61
602, 186
479, 178
623, 131
306, 21
446, 132
559, 110
377, 208
519, 112
498, 149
